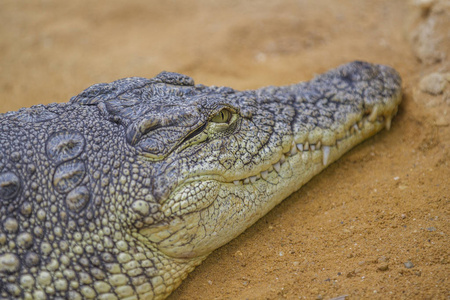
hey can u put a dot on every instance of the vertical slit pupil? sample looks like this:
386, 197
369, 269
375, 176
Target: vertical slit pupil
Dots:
222, 116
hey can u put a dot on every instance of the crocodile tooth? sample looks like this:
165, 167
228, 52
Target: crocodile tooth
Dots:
237, 182
373, 114
313, 147
326, 154
306, 146
264, 174
253, 179
277, 167
270, 169
246, 181
388, 122
293, 149
318, 145
300, 147
282, 159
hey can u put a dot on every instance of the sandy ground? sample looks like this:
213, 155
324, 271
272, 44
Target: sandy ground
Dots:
351, 229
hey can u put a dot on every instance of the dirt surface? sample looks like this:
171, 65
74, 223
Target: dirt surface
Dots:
375, 224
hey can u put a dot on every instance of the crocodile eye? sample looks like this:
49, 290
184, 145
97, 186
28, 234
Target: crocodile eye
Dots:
222, 116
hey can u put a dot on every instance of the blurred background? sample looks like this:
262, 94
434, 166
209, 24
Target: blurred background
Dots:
51, 50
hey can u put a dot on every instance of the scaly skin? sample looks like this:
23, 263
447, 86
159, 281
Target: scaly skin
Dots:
121, 192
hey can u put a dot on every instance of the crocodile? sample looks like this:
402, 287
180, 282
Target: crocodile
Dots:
122, 191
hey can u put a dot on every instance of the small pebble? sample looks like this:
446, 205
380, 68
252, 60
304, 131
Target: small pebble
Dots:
409, 265
383, 267
351, 274
340, 297
433, 84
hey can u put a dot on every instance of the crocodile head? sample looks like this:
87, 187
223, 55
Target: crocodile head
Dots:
220, 159
125, 189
